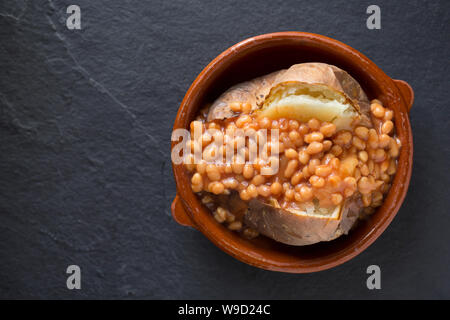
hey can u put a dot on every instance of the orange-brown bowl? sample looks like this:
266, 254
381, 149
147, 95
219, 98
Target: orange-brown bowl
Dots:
261, 55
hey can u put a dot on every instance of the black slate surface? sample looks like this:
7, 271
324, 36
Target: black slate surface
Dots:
85, 124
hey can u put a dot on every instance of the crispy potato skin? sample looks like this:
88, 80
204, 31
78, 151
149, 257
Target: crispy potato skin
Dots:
290, 228
253, 91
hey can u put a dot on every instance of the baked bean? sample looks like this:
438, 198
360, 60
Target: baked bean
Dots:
317, 182
252, 191
314, 136
385, 177
362, 133
364, 170
366, 199
373, 139
284, 138
217, 187
244, 195
243, 120
293, 124
392, 167
377, 110
312, 165
387, 127
314, 147
213, 172
264, 191
237, 167
335, 163
365, 186
383, 140
291, 153
276, 188
296, 138
248, 171
220, 214
323, 170
303, 129
350, 182
384, 165
264, 123
235, 226
327, 145
343, 138
303, 157
258, 179
230, 183
228, 168
230, 217
296, 178
358, 143
290, 168
246, 107
213, 125
197, 178
336, 150
306, 173
363, 156
197, 187
327, 158
235, 106
378, 155
314, 124
328, 129
283, 124
393, 148
306, 193
289, 194
388, 115
250, 233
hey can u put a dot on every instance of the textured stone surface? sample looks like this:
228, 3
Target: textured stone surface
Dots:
85, 124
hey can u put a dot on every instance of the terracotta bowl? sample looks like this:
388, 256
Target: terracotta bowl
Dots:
261, 55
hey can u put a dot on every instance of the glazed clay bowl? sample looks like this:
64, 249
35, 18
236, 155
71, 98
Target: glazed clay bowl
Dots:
261, 55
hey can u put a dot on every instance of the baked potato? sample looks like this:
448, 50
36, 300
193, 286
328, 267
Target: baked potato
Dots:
302, 92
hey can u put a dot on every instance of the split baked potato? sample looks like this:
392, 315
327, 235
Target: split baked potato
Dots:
302, 92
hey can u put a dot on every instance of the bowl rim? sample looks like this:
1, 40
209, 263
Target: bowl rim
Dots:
351, 251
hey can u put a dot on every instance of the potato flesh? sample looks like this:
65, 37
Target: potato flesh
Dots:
311, 210
304, 107
317, 213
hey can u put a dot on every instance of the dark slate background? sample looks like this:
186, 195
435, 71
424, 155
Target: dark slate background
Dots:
85, 124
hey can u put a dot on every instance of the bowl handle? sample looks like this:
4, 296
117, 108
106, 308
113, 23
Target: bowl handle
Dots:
179, 213
406, 91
